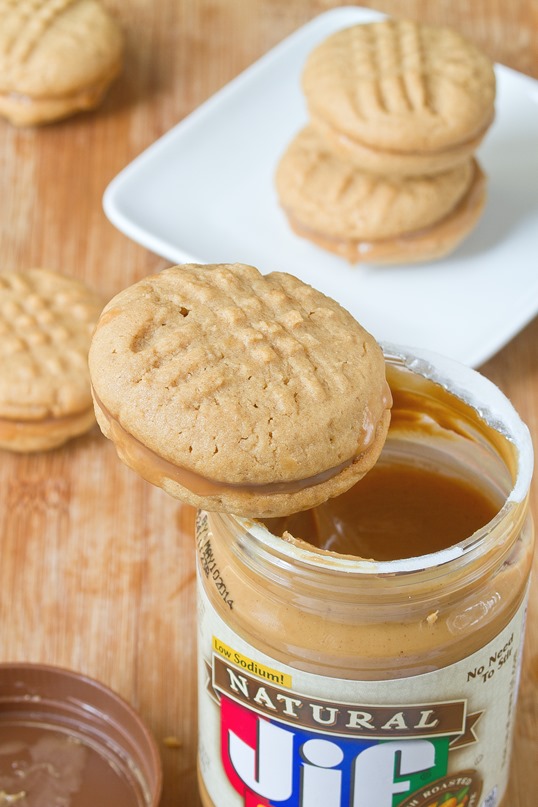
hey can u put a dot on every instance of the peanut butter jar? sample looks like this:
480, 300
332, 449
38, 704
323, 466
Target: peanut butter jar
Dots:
334, 679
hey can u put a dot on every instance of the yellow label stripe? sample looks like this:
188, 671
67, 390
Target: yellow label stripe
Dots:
249, 665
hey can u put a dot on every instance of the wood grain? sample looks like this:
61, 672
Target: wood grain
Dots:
97, 567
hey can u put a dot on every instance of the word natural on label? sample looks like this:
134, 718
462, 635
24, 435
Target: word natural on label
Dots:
280, 747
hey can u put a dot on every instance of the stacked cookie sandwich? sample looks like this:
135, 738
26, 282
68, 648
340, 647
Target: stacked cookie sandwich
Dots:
57, 58
385, 170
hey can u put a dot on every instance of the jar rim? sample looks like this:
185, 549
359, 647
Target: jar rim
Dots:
478, 392
333, 561
492, 407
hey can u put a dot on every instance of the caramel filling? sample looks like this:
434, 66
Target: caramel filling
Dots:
155, 468
32, 426
26, 110
86, 95
463, 145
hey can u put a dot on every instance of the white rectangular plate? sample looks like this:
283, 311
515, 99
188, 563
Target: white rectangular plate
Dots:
205, 193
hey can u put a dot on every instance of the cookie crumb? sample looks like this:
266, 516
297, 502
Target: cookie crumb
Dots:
172, 742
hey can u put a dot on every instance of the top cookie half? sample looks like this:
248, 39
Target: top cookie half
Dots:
402, 86
238, 391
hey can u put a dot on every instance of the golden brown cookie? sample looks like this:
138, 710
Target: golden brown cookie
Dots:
46, 323
399, 97
57, 57
375, 219
236, 391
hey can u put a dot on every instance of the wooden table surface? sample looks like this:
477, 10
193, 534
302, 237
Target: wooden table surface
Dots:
96, 565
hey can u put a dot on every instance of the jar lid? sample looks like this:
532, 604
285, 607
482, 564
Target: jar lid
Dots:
66, 739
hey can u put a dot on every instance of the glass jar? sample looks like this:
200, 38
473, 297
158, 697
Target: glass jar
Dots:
328, 680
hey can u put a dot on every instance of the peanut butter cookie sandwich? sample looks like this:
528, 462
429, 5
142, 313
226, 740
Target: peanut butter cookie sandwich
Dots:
375, 219
236, 391
46, 323
399, 97
57, 57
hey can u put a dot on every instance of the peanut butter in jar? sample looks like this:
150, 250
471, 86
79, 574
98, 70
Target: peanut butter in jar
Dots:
367, 653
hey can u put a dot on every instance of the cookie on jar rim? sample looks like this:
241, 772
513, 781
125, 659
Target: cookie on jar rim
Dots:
236, 391
400, 97
46, 323
57, 57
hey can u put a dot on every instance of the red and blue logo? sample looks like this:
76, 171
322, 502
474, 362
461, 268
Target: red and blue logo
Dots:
270, 763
